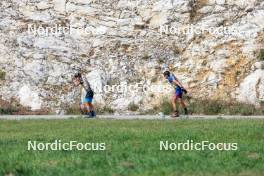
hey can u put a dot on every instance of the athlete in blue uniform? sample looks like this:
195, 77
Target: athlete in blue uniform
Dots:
87, 95
179, 90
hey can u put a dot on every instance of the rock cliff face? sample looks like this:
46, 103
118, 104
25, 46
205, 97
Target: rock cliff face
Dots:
211, 45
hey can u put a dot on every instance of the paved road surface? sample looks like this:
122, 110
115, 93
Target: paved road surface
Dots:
124, 117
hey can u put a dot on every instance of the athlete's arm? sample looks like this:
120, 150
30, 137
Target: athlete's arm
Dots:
86, 84
178, 83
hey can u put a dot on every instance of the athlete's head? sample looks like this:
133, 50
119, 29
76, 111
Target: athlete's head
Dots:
77, 75
77, 79
166, 74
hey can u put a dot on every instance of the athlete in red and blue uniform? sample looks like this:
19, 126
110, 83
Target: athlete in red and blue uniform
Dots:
86, 105
179, 90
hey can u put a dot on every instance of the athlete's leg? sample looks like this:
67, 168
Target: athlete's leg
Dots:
174, 105
174, 102
182, 103
183, 106
83, 108
90, 107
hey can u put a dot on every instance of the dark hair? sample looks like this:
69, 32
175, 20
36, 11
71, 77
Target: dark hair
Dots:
166, 73
77, 75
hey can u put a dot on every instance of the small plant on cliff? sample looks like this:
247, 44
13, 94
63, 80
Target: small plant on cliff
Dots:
211, 107
161, 60
166, 106
261, 55
104, 110
133, 107
2, 75
73, 110
216, 107
154, 79
8, 110
145, 57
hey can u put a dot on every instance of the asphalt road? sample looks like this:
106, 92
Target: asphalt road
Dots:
125, 117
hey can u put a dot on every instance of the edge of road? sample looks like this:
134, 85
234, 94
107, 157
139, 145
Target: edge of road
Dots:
124, 117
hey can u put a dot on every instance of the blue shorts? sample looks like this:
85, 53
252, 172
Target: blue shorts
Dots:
87, 100
178, 92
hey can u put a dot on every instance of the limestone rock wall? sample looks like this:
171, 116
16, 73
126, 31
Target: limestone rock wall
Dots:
130, 41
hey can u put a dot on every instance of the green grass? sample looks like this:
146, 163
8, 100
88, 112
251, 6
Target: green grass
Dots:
132, 147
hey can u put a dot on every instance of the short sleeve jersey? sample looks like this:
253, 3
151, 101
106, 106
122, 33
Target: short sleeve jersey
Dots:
171, 79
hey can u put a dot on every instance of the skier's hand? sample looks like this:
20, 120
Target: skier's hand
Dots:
184, 90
